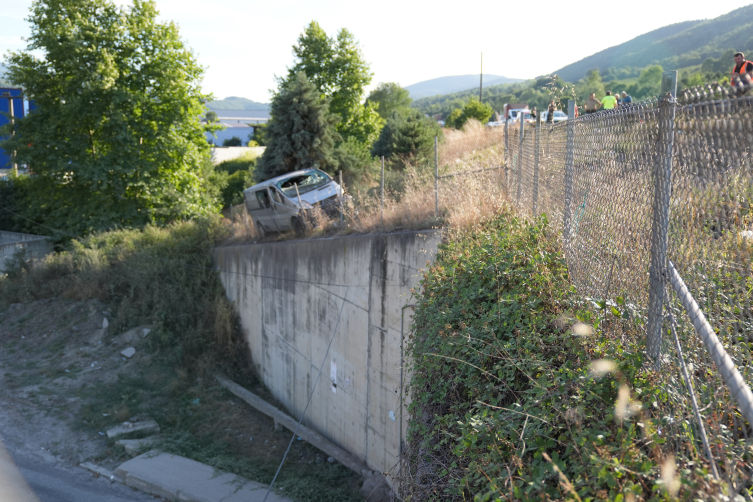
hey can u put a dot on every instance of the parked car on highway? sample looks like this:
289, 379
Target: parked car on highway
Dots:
559, 116
286, 202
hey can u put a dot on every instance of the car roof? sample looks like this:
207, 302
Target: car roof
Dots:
285, 176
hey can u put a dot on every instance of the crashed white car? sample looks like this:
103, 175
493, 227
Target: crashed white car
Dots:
285, 202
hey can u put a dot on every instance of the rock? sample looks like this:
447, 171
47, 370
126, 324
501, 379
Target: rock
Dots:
105, 323
375, 487
146, 427
133, 335
128, 353
134, 447
747, 234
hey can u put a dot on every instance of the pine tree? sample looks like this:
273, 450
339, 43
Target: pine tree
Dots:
301, 132
407, 134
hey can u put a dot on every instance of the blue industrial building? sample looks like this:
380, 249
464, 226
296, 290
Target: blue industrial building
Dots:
10, 98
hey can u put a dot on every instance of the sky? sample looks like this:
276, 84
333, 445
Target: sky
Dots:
243, 44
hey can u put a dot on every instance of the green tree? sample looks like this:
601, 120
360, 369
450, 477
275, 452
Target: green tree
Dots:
407, 135
590, 84
474, 109
301, 133
211, 116
389, 97
116, 138
355, 161
455, 119
337, 69
234, 141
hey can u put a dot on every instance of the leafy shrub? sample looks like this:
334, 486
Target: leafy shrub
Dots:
246, 162
234, 141
503, 404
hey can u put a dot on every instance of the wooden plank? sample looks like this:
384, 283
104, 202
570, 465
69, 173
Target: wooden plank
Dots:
344, 457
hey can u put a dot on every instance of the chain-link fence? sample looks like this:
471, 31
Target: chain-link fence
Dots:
653, 201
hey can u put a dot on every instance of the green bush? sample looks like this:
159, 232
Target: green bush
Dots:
502, 399
237, 175
234, 141
246, 162
156, 275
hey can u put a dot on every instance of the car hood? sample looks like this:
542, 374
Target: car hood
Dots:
320, 194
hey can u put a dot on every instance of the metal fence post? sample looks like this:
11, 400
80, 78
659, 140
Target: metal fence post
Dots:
342, 198
536, 147
660, 225
522, 116
569, 172
507, 155
382, 191
436, 177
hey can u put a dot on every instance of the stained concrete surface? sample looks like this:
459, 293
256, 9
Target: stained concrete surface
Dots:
295, 298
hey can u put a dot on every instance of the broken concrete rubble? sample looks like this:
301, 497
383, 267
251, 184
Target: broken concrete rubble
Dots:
134, 447
128, 353
145, 427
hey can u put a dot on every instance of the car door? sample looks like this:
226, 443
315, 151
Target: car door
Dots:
266, 212
284, 212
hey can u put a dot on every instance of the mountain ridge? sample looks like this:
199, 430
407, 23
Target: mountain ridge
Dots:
236, 103
674, 46
454, 83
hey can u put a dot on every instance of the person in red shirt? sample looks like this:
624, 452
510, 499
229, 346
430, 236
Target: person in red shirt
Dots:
741, 74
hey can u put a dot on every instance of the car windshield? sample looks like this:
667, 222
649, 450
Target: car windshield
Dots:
306, 182
560, 114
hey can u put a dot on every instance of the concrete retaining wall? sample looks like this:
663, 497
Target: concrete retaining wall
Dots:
296, 297
32, 247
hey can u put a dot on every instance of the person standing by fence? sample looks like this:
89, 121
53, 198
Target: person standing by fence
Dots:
741, 74
592, 104
626, 98
550, 112
609, 102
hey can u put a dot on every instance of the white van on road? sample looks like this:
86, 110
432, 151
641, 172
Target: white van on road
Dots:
283, 203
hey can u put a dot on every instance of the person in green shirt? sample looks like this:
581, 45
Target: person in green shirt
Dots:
609, 101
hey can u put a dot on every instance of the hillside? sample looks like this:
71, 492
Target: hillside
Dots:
674, 47
455, 83
236, 103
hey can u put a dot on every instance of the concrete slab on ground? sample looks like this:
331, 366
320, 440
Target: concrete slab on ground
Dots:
181, 479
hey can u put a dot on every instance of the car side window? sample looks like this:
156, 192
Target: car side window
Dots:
276, 195
263, 198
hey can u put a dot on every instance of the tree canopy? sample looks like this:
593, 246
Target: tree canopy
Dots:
407, 135
337, 69
389, 97
301, 132
116, 138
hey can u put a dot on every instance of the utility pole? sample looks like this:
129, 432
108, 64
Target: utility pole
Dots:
481, 80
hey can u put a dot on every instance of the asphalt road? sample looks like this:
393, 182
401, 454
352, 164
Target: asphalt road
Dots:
54, 483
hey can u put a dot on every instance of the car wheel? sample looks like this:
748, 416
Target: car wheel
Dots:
263, 232
298, 227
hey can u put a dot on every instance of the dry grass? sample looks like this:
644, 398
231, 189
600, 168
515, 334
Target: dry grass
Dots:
474, 147
465, 200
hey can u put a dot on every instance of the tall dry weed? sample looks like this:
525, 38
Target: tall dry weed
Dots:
465, 199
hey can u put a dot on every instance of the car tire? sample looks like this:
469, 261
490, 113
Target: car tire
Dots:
263, 232
298, 226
